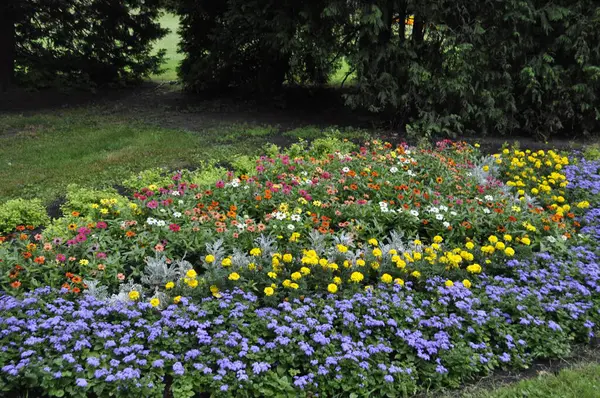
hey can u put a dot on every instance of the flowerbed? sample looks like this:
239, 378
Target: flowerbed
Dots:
379, 271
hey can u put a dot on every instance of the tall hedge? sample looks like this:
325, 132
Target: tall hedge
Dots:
496, 67
79, 41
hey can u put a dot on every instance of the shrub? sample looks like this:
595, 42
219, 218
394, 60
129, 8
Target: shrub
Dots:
21, 212
70, 42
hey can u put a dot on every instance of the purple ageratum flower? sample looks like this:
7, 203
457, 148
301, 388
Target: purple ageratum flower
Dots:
178, 368
388, 378
260, 367
81, 383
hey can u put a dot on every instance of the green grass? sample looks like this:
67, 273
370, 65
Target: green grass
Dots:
169, 43
582, 381
40, 155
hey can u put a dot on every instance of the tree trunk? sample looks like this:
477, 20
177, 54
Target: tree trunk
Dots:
7, 43
418, 29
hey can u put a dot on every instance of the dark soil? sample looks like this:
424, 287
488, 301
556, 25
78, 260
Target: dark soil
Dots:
167, 106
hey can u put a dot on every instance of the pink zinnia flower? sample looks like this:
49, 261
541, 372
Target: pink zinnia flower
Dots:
101, 225
153, 204
220, 184
159, 247
38, 237
120, 277
101, 255
174, 227
61, 258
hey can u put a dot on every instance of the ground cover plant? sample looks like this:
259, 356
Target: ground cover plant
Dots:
327, 269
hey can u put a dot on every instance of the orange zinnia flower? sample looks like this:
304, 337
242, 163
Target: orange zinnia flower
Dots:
15, 284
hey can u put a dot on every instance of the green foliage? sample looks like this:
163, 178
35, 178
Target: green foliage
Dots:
22, 212
258, 44
155, 176
75, 42
81, 200
592, 152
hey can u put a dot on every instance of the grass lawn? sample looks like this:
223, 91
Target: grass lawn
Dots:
41, 154
582, 381
169, 43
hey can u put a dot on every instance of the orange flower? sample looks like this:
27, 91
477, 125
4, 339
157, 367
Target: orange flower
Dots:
40, 260
69, 275
75, 213
439, 180
15, 284
130, 234
66, 286
23, 237
20, 228
76, 279
27, 255
76, 290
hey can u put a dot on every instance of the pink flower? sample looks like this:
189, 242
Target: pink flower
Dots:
38, 237
120, 277
101, 255
159, 247
61, 258
101, 225
174, 227
153, 204
220, 184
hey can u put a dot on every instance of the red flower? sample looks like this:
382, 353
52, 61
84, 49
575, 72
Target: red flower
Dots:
174, 227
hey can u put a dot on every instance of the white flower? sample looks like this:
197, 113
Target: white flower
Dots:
304, 173
394, 170
241, 226
163, 210
551, 239
177, 214
407, 152
235, 183
453, 213
489, 198
296, 217
279, 215
151, 221
414, 213
175, 193
439, 217
383, 204
446, 224
433, 210
180, 201
563, 237
443, 208
161, 223
291, 227
384, 209
346, 169
411, 173
246, 187
486, 211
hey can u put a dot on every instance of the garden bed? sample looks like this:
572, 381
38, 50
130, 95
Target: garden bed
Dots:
327, 270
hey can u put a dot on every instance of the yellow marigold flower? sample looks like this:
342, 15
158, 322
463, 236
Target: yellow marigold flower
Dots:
470, 245
509, 251
234, 276
95, 205
272, 275
437, 239
155, 302
169, 285
356, 277
193, 283
401, 264
296, 275
191, 273
488, 249
255, 252
134, 295
287, 258
251, 266
177, 299
209, 258
347, 264
226, 262
294, 285
269, 291
417, 256
526, 241
508, 238
360, 262
466, 283
449, 283
500, 246
337, 280
305, 270
323, 262
535, 191
375, 265
583, 205
416, 274
333, 266
417, 242
493, 239
386, 278
341, 248
332, 288
474, 268
393, 252
377, 252
373, 242
399, 281
286, 283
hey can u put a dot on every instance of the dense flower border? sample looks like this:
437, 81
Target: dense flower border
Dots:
388, 340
